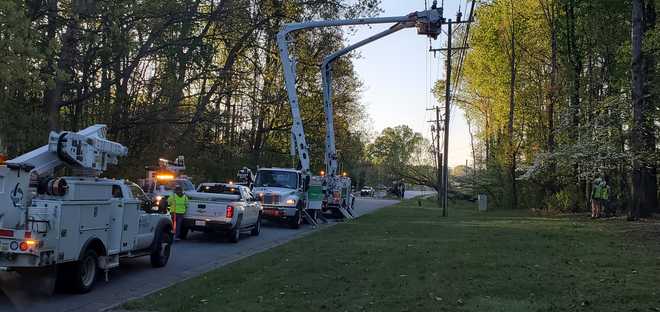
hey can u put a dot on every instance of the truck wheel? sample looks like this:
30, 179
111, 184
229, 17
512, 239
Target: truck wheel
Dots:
235, 234
296, 221
257, 227
85, 272
160, 253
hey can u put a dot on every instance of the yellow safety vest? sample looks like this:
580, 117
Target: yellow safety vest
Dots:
178, 204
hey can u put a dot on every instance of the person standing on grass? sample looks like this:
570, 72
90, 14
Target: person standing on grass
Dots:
604, 197
178, 203
596, 198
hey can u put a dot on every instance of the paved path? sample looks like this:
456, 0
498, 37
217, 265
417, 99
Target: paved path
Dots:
190, 258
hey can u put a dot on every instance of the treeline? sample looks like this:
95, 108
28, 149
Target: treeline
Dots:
557, 93
200, 78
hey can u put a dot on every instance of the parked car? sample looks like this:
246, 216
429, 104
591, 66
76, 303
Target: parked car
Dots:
225, 208
367, 191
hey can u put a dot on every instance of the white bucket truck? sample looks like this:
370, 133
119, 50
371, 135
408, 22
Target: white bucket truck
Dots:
79, 224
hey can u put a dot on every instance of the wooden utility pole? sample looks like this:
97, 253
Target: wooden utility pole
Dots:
445, 171
449, 49
438, 155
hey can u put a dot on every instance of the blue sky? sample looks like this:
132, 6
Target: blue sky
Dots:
398, 72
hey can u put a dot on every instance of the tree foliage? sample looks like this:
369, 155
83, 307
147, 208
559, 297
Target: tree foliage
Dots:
200, 78
573, 117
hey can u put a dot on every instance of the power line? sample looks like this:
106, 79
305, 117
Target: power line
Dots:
463, 54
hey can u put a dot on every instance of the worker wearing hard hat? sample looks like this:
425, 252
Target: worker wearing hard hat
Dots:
178, 203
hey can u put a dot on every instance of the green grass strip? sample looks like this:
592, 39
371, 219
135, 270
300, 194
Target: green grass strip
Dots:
410, 258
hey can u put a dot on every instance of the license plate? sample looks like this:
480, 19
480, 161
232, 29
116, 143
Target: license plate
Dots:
200, 223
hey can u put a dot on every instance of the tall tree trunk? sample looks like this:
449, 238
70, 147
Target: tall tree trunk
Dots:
512, 108
550, 8
644, 197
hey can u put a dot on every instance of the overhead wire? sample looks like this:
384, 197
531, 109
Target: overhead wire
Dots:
463, 53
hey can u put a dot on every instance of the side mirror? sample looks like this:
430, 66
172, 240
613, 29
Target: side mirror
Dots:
147, 205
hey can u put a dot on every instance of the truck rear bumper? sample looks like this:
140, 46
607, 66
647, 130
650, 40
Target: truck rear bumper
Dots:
12, 260
208, 225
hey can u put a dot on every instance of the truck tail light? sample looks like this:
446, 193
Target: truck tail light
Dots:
25, 245
7, 233
230, 212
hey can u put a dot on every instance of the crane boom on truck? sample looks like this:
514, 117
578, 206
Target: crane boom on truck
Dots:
77, 223
428, 23
336, 194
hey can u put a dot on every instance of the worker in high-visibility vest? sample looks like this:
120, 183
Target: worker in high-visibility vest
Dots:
599, 197
178, 203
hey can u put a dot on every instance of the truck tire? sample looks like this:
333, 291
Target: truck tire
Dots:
162, 246
296, 220
235, 233
257, 227
85, 272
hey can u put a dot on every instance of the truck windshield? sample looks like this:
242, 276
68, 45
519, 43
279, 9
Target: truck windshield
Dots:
186, 185
272, 178
219, 189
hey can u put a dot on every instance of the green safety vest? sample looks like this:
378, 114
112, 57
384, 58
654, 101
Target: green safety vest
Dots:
178, 204
604, 192
596, 191
601, 192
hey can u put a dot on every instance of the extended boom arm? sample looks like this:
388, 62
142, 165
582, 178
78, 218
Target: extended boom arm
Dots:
428, 23
331, 163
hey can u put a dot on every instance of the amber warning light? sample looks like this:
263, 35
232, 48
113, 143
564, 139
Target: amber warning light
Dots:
165, 177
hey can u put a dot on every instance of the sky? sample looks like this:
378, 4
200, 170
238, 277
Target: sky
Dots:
398, 73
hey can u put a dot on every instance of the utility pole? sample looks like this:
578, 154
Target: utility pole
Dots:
438, 155
445, 171
449, 49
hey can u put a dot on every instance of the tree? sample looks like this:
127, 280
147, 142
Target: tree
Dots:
401, 153
643, 142
199, 78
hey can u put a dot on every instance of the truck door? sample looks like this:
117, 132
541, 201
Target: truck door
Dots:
147, 219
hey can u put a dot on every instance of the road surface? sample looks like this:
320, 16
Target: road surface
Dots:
190, 258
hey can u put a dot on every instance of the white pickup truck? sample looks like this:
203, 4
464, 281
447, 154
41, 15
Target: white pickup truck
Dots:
222, 207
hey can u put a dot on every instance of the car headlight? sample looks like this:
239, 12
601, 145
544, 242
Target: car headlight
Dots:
290, 201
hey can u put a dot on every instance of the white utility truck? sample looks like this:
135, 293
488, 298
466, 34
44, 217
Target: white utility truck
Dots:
77, 224
336, 188
282, 194
162, 179
222, 207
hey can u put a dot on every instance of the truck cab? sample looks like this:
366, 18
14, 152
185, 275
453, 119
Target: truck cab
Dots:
282, 194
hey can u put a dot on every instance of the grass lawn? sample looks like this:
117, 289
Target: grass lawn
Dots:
409, 258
